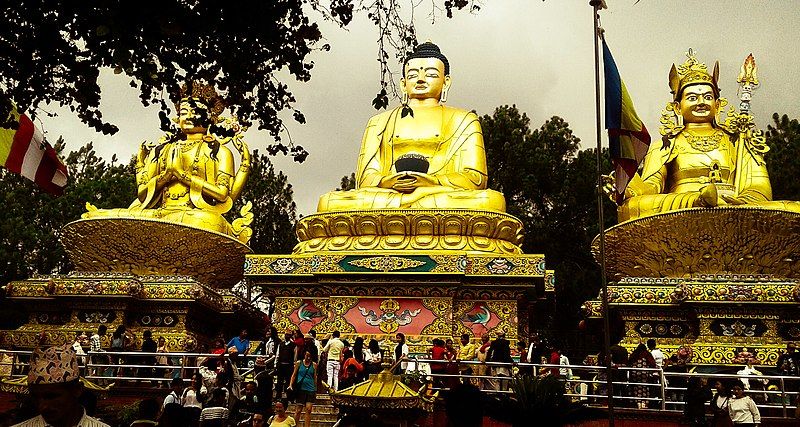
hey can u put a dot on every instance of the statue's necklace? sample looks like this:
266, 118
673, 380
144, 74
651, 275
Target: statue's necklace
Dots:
703, 143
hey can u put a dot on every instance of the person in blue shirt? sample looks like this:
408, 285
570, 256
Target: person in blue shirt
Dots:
241, 343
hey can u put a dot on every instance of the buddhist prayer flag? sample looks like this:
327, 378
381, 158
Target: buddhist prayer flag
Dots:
24, 151
628, 139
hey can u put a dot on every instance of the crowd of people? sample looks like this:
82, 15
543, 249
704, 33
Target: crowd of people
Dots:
294, 367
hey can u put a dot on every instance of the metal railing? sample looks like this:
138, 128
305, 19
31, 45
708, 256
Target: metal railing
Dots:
659, 390
662, 389
114, 366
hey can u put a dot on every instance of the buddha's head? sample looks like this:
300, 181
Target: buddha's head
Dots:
198, 108
695, 92
426, 74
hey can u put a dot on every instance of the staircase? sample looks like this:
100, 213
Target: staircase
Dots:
323, 414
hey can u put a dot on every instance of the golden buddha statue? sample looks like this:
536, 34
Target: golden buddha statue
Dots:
189, 178
701, 162
422, 155
420, 180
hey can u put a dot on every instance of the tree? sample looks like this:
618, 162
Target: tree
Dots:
29, 228
348, 182
273, 208
783, 138
53, 51
550, 186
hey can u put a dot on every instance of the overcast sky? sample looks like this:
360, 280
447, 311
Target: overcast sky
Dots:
537, 55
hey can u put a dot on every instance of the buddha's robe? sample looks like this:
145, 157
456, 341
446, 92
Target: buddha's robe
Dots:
456, 156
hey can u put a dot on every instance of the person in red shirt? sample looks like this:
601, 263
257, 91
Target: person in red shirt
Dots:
299, 345
351, 369
438, 353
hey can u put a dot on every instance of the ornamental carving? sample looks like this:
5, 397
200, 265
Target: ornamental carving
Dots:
410, 229
154, 247
354, 264
723, 240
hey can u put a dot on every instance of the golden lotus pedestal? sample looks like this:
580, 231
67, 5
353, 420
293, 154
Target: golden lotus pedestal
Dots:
425, 273
723, 283
142, 273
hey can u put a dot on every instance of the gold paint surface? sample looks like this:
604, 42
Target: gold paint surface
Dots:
154, 247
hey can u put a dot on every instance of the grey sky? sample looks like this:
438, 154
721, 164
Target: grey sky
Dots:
537, 55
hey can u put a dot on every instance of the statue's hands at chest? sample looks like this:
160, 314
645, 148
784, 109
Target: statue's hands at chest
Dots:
407, 182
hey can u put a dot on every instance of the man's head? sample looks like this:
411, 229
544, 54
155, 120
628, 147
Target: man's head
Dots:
426, 73
101, 330
258, 420
313, 333
336, 334
288, 335
464, 339
147, 334
243, 334
651, 344
148, 409
790, 348
54, 384
250, 388
176, 384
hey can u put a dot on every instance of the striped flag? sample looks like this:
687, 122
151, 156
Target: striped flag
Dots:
24, 151
628, 139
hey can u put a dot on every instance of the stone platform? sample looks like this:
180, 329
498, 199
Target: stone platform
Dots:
722, 282
423, 294
180, 309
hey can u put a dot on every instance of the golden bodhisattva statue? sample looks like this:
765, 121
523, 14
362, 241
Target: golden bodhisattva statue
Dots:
701, 161
190, 178
431, 158
421, 178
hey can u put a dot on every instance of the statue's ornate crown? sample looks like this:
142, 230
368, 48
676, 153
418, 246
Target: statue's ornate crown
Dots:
692, 72
206, 94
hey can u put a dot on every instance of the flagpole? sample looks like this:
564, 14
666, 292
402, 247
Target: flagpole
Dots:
596, 5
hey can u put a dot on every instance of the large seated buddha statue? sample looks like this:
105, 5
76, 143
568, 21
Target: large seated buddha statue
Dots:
431, 157
700, 161
419, 159
189, 177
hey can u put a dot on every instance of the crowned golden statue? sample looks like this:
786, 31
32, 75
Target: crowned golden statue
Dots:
417, 161
189, 177
701, 161
185, 183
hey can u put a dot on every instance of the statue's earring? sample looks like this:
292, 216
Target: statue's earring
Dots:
443, 98
404, 98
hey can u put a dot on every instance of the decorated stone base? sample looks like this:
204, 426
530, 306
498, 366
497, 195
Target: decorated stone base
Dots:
423, 294
721, 283
178, 308
153, 246
410, 229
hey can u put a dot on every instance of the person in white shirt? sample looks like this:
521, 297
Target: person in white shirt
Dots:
176, 386
742, 409
334, 349
658, 355
55, 387
564, 360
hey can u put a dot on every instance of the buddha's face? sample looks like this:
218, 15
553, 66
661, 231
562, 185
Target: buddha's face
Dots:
192, 116
424, 78
698, 104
